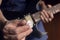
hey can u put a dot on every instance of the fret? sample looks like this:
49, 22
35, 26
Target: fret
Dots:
36, 16
54, 9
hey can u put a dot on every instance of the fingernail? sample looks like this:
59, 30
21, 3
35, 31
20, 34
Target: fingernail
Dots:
50, 19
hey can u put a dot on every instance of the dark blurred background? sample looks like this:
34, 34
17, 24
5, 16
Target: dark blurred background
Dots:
52, 2
53, 28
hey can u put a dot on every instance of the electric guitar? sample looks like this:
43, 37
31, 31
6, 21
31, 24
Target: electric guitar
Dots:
33, 19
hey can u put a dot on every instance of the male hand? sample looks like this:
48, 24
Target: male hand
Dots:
45, 15
16, 30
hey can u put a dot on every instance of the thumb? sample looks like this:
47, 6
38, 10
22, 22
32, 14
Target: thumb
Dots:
42, 3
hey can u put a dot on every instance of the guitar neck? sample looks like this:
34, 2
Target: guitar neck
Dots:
54, 10
35, 17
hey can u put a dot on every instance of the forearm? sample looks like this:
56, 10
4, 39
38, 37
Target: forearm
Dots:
2, 22
2, 18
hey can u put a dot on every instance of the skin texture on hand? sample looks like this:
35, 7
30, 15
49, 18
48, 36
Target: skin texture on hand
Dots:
16, 30
45, 15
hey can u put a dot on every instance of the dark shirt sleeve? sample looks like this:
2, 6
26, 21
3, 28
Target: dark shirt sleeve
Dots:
31, 6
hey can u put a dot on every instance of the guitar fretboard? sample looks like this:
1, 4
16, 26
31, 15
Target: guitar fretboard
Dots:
54, 10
